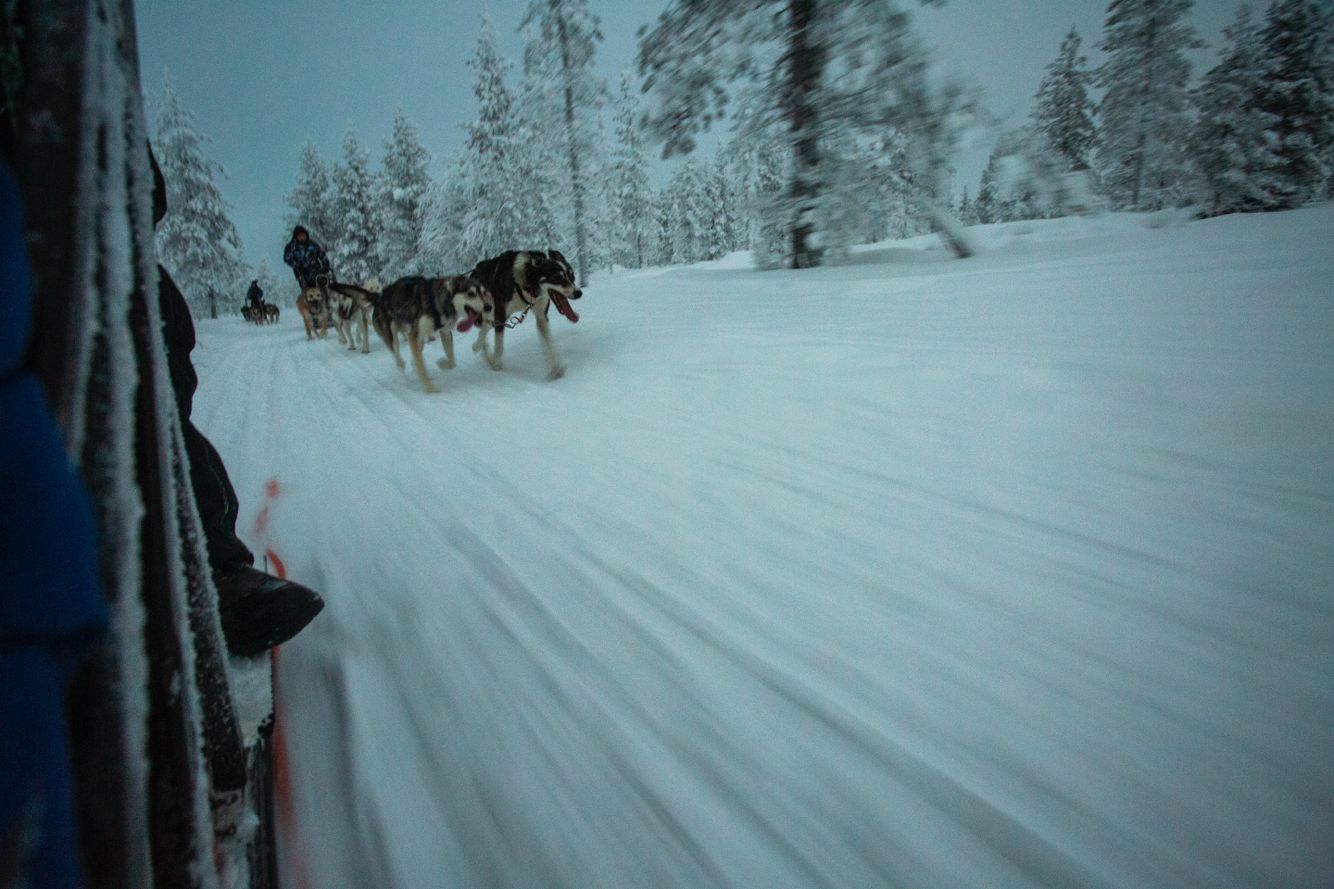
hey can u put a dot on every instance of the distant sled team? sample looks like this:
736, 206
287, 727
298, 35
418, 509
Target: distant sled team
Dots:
497, 294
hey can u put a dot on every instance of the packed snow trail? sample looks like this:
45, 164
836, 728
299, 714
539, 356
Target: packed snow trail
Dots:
1014, 571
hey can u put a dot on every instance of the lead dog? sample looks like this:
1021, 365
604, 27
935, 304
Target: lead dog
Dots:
416, 307
527, 281
313, 304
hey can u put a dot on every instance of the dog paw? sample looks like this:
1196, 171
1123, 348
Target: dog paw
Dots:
478, 346
557, 372
444, 364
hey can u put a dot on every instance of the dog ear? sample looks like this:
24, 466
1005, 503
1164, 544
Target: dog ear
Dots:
558, 256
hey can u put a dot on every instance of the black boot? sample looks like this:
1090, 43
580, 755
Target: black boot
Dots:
260, 611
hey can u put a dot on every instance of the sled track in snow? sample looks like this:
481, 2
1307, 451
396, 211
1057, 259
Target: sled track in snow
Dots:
1024, 579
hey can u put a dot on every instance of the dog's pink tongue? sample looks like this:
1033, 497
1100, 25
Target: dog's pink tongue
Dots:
465, 324
563, 306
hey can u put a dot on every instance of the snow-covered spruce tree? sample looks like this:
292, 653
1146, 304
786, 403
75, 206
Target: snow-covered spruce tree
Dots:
405, 182
562, 42
447, 208
688, 198
1142, 155
1063, 115
356, 255
539, 157
759, 161
197, 241
1297, 91
496, 213
820, 67
631, 194
1232, 139
312, 199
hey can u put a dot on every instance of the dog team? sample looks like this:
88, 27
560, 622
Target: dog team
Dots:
418, 309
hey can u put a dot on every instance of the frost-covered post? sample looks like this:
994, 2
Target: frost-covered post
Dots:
155, 746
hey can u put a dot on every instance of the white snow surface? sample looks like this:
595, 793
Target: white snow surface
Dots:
1012, 571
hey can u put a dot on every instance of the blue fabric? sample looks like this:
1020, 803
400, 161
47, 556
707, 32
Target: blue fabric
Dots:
51, 605
16, 280
307, 260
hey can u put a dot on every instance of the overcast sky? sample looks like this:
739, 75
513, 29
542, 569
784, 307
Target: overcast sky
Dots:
263, 76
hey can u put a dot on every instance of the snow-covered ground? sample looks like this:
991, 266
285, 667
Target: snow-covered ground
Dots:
915, 572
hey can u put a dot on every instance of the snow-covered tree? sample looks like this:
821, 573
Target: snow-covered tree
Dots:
688, 197
1063, 115
562, 42
197, 241
312, 199
812, 70
486, 188
1232, 139
631, 194
405, 181
1297, 93
967, 209
356, 254
1142, 154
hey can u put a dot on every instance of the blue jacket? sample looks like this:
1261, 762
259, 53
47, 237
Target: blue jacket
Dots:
307, 260
51, 605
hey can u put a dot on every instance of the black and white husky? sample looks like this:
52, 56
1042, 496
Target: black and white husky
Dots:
350, 308
416, 308
527, 281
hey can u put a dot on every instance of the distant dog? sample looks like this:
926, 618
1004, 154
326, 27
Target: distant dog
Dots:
270, 313
417, 307
351, 307
313, 304
527, 281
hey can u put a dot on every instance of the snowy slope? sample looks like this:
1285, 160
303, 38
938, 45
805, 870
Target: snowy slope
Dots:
1013, 571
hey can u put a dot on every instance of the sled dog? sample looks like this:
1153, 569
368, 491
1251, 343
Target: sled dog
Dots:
417, 308
522, 282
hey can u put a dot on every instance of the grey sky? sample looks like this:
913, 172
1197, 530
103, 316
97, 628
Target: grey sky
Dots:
262, 76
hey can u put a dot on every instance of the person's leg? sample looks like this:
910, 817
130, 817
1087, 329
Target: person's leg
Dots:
257, 611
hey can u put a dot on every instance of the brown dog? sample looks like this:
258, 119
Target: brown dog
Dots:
313, 304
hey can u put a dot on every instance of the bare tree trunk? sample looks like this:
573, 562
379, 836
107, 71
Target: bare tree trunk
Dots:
572, 149
806, 60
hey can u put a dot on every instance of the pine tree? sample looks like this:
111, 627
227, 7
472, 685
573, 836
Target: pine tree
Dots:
356, 256
1297, 92
967, 210
821, 67
1063, 116
312, 199
405, 182
197, 241
688, 199
1232, 133
987, 206
562, 44
493, 199
1142, 155
632, 196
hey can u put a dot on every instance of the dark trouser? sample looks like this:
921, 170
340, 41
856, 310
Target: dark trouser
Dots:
217, 502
